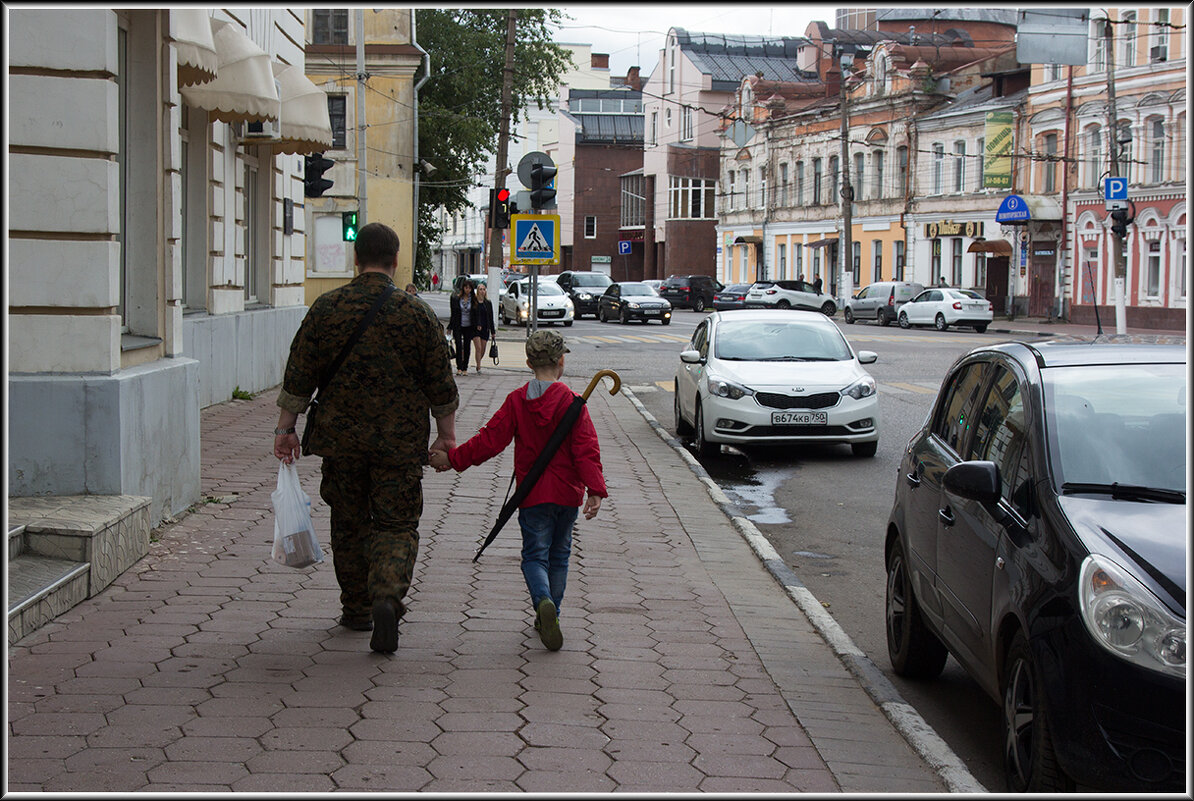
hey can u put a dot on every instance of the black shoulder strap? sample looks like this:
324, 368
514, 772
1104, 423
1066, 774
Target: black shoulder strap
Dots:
352, 340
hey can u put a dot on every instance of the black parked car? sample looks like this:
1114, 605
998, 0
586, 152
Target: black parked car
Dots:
584, 288
731, 297
633, 300
690, 291
1039, 536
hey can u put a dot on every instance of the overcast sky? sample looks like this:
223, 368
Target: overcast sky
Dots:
632, 34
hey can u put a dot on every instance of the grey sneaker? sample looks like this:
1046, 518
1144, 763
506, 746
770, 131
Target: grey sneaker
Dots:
548, 625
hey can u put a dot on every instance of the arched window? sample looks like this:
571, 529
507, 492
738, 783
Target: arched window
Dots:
1156, 160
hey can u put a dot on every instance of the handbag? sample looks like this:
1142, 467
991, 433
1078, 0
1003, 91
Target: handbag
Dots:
493, 353
313, 407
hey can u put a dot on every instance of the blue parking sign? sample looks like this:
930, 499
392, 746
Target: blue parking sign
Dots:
1115, 188
623, 247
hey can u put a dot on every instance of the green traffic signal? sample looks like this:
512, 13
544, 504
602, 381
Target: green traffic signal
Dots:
348, 221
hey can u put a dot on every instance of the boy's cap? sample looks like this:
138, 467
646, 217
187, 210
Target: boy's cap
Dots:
544, 348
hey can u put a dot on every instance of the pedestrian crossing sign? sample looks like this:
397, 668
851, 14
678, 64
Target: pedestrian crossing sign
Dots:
536, 239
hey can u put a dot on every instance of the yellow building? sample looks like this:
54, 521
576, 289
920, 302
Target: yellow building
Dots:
391, 59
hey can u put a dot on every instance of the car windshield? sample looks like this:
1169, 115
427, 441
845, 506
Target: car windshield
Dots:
779, 340
636, 289
1120, 423
964, 293
592, 279
545, 288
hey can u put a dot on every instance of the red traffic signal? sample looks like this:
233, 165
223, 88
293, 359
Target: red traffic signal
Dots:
503, 195
499, 208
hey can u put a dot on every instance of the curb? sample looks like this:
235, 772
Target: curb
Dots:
907, 721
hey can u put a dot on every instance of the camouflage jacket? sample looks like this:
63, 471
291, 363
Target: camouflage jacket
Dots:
397, 376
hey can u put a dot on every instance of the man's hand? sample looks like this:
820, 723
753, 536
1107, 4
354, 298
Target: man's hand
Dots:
286, 447
439, 460
592, 505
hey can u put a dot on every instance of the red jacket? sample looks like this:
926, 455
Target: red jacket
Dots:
575, 466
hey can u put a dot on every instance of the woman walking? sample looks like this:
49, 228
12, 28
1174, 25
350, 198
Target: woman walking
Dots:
462, 322
483, 330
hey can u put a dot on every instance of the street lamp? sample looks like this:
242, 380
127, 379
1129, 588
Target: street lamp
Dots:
846, 257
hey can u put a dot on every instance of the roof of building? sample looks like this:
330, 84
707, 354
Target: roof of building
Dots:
1003, 16
868, 39
727, 58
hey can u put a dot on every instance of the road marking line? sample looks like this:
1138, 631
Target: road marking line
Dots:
668, 385
607, 340
912, 388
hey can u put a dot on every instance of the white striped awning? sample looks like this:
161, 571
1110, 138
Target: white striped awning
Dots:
306, 126
243, 89
190, 28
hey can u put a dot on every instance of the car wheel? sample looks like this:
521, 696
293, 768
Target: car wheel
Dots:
904, 321
683, 429
600, 314
703, 446
940, 322
914, 651
849, 315
828, 309
783, 304
1030, 761
981, 329
698, 305
864, 449
882, 318
625, 318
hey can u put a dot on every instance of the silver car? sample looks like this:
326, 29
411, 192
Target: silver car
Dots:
552, 304
881, 301
789, 295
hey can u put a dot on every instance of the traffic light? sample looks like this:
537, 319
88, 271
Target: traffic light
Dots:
1119, 224
499, 208
543, 193
348, 223
314, 166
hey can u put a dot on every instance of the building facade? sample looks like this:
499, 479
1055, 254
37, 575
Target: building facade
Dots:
155, 256
393, 60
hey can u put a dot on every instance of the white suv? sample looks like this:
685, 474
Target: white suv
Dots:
789, 295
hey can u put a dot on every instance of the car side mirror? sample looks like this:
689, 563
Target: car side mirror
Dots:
975, 481
867, 357
691, 357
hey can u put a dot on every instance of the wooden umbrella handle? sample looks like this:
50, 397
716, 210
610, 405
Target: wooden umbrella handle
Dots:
617, 379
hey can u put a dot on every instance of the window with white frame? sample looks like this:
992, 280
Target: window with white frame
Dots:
1098, 50
783, 184
1159, 48
1052, 72
816, 182
338, 115
956, 261
1156, 131
798, 259
634, 201
979, 149
799, 199
671, 70
654, 128
1093, 163
686, 128
329, 26
744, 174
876, 259
763, 187
731, 200
898, 275
816, 263
590, 227
901, 171
667, 118
938, 167
856, 257
1049, 165
781, 261
691, 198
1127, 38
1153, 277
877, 188
960, 166
1123, 152
834, 176
980, 269
858, 179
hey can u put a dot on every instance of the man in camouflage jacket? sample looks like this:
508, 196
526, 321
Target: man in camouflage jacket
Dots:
372, 429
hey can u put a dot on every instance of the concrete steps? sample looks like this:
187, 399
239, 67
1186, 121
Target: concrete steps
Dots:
65, 549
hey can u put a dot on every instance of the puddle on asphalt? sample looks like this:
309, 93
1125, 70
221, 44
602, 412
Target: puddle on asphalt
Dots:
750, 488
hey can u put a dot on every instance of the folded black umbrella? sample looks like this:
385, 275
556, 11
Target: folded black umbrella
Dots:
567, 420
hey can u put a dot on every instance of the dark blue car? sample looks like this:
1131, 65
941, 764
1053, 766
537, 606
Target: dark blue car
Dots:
1039, 536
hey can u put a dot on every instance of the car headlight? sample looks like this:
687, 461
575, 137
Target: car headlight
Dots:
1124, 617
568, 303
632, 305
583, 296
862, 388
728, 389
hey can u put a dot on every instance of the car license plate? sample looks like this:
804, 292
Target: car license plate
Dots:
551, 313
799, 418
653, 312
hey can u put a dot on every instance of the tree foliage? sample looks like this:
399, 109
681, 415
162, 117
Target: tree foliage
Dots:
460, 105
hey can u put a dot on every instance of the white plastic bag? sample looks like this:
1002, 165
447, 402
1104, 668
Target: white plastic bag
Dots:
295, 544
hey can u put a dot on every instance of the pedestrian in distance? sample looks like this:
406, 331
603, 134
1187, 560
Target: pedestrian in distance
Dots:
483, 330
547, 514
372, 427
434, 281
941, 280
463, 308
817, 285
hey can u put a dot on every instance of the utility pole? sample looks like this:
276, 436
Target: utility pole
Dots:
362, 197
496, 252
846, 262
1117, 242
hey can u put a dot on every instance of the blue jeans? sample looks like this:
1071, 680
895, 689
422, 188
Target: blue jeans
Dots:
546, 546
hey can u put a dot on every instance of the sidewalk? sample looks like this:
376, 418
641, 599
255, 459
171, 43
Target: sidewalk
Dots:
686, 666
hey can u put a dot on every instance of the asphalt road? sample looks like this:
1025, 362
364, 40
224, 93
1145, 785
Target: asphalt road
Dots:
823, 509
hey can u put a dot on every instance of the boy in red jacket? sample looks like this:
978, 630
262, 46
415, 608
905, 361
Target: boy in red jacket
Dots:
546, 516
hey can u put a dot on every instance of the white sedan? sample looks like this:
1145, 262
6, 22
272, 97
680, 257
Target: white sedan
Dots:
945, 306
552, 303
774, 376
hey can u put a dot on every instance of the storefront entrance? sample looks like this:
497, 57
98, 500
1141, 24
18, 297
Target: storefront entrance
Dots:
997, 283
1041, 266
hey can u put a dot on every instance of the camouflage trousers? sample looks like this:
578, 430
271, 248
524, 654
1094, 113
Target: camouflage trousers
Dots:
375, 529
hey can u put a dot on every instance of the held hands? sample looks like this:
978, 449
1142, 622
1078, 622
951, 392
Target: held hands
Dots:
439, 460
592, 505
